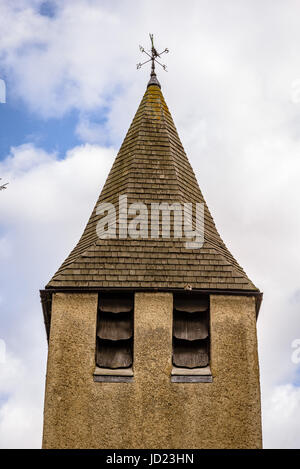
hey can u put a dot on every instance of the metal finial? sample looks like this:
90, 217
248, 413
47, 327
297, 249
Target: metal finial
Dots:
153, 58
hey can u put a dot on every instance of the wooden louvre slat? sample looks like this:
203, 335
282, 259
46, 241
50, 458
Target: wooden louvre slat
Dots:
114, 326
119, 303
190, 354
114, 354
190, 326
191, 303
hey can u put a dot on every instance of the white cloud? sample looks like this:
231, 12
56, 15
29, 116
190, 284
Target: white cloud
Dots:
46, 189
232, 88
42, 216
58, 63
20, 414
91, 132
282, 418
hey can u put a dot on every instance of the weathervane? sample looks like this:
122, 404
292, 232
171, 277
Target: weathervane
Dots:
153, 59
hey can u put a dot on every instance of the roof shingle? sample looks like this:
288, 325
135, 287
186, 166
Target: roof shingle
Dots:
151, 166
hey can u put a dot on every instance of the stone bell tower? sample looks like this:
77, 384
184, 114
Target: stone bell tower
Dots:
152, 339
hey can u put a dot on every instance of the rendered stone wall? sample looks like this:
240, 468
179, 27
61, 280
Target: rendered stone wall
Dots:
152, 412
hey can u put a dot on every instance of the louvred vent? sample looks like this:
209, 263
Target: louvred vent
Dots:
115, 330
116, 303
112, 354
191, 326
191, 331
114, 327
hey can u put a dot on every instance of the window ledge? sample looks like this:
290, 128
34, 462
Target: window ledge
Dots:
109, 375
193, 375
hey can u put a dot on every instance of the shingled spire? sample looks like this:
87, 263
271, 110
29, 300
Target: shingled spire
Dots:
141, 307
151, 166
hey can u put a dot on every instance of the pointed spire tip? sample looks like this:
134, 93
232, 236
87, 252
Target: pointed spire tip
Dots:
153, 81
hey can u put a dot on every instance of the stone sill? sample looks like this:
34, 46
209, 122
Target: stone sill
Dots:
193, 375
108, 375
178, 375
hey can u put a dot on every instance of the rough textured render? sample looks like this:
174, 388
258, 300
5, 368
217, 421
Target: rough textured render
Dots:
151, 166
151, 411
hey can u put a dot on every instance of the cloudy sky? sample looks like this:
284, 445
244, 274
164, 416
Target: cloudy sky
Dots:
72, 88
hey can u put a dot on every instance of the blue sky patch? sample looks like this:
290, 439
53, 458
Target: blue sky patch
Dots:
48, 8
3, 398
19, 126
296, 380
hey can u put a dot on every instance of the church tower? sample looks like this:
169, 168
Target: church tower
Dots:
151, 321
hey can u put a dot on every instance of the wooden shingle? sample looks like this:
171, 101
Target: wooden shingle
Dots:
151, 165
